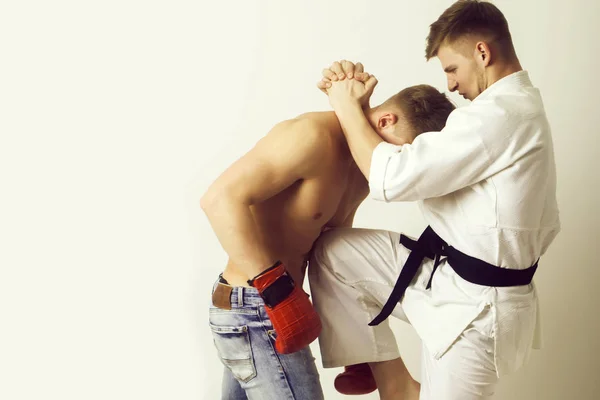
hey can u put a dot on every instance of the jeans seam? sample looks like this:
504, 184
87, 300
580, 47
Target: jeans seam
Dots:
274, 350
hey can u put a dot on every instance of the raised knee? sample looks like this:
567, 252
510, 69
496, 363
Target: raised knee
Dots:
328, 247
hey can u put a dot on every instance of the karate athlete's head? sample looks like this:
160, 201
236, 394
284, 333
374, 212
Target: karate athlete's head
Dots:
472, 40
410, 112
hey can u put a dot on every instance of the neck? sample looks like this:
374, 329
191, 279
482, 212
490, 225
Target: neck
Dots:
370, 114
502, 71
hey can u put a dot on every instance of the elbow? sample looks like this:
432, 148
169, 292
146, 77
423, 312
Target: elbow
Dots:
219, 197
204, 204
209, 199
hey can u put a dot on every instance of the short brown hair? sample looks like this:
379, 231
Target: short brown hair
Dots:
425, 108
469, 17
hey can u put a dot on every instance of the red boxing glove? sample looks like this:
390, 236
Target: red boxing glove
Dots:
356, 379
294, 319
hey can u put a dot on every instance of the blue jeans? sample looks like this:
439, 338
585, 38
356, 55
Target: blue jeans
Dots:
245, 340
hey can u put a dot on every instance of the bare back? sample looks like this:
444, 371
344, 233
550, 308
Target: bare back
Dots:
326, 197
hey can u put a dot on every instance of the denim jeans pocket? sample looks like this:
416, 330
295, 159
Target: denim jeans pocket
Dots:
233, 346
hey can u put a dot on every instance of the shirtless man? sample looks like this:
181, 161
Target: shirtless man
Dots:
272, 204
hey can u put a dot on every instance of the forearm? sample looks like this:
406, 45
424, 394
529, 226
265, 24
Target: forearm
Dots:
359, 134
234, 225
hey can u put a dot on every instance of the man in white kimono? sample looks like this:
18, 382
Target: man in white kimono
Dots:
486, 185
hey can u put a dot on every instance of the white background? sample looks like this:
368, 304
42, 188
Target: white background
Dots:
115, 116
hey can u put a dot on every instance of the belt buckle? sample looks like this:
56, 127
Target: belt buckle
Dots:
221, 297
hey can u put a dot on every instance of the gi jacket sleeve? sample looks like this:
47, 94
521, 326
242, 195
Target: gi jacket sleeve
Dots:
477, 142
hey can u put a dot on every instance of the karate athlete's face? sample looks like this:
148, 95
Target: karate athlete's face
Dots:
465, 69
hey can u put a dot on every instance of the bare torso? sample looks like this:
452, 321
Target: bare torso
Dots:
291, 221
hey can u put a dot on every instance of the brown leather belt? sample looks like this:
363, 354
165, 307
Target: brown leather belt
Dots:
221, 296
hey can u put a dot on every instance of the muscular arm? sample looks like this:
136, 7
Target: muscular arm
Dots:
361, 137
287, 154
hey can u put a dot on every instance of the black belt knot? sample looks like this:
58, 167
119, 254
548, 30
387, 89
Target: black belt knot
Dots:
430, 245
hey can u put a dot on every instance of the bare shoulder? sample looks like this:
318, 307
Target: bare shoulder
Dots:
325, 121
292, 150
310, 135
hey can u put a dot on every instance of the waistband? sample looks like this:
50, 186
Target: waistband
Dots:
226, 296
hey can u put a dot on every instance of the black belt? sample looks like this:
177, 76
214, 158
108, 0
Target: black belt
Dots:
431, 245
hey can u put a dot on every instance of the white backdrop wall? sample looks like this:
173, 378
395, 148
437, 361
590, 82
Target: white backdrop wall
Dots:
115, 116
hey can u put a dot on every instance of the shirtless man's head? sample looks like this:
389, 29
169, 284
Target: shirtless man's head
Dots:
410, 112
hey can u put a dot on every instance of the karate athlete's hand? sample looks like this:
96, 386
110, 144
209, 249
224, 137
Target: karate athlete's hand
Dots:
341, 70
349, 91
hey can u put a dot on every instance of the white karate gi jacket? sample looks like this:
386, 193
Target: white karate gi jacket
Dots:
487, 185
